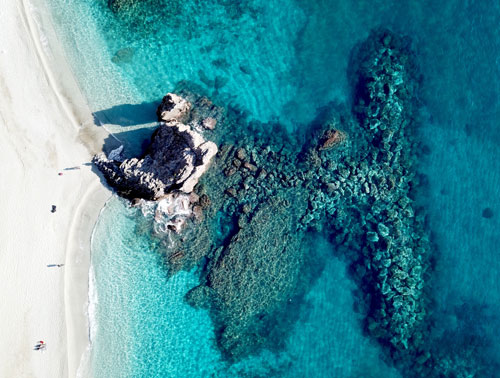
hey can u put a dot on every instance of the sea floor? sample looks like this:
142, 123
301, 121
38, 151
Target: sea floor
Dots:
278, 61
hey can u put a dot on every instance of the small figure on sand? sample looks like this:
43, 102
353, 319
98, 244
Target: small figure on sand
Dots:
40, 345
55, 265
53, 209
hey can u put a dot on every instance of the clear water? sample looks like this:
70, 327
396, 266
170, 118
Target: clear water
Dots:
142, 324
143, 327
282, 60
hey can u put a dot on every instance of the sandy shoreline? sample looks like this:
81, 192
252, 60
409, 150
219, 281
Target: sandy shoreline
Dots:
45, 127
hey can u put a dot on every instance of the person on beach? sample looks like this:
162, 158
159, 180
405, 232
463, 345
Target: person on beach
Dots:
40, 345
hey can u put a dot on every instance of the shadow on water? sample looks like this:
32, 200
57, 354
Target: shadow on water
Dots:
135, 142
128, 114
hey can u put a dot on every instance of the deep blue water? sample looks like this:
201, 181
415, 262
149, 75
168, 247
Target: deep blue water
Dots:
282, 61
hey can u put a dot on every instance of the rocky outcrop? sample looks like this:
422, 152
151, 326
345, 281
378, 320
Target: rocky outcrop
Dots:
331, 138
176, 159
173, 108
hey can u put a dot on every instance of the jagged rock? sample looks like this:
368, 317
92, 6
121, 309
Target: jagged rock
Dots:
116, 154
331, 138
176, 159
173, 108
209, 123
241, 154
250, 166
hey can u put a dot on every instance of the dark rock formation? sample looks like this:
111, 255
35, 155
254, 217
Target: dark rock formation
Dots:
124, 55
176, 159
398, 259
173, 108
487, 213
330, 139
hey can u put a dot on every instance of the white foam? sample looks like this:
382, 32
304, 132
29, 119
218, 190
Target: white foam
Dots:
169, 214
92, 305
42, 37
84, 366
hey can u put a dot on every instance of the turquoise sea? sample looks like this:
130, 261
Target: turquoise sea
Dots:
282, 61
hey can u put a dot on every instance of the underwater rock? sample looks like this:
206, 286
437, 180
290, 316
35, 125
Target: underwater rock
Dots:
254, 276
205, 79
203, 114
220, 81
250, 167
241, 154
372, 236
176, 159
117, 5
396, 264
124, 55
385, 84
487, 213
145, 16
383, 230
245, 68
221, 63
330, 139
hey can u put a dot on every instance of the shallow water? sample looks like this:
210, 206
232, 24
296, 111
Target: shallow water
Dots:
282, 61
143, 326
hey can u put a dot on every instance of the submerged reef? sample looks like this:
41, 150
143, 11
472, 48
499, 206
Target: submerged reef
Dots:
350, 177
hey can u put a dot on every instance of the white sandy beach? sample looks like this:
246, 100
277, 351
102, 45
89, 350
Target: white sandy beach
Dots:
44, 124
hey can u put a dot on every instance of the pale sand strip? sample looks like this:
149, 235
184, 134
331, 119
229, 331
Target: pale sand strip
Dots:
44, 124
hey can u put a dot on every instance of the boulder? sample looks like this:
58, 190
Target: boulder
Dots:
330, 139
209, 123
173, 108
